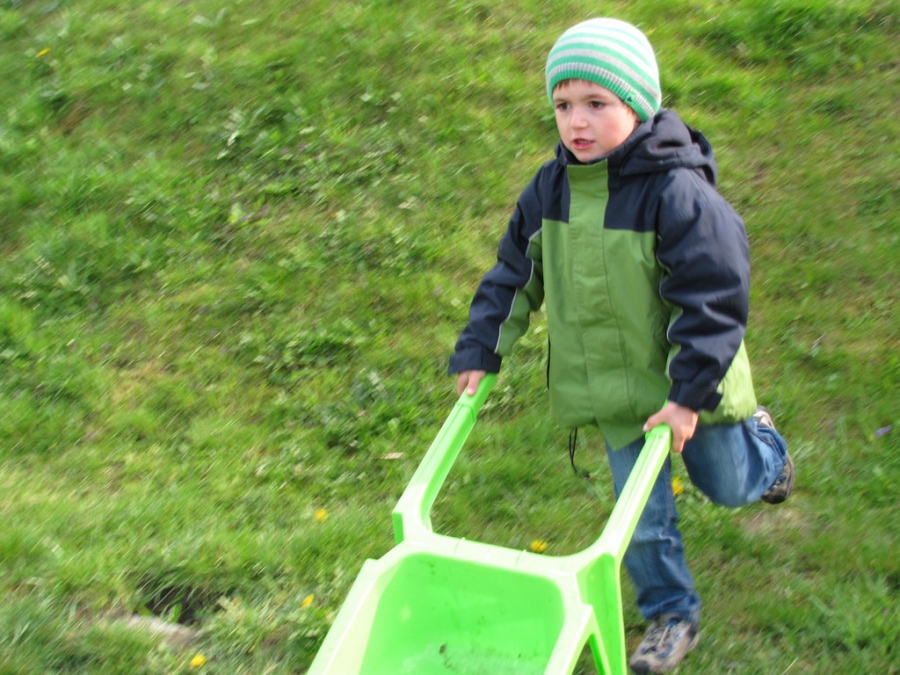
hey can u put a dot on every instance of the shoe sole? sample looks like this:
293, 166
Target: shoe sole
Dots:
764, 418
789, 481
643, 671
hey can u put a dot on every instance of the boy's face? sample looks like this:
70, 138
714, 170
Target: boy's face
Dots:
592, 121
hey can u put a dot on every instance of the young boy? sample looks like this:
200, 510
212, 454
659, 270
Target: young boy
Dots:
644, 269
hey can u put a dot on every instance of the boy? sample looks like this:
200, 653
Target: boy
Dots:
644, 269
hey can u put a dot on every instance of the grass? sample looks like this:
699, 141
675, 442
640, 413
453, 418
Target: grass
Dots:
238, 240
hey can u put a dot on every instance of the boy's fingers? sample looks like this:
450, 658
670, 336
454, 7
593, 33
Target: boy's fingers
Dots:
651, 422
474, 379
468, 382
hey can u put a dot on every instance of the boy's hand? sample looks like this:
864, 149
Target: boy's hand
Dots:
468, 381
683, 422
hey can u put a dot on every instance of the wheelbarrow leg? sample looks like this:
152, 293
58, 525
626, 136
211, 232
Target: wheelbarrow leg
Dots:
576, 633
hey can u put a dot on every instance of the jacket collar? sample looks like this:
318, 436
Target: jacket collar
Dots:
659, 144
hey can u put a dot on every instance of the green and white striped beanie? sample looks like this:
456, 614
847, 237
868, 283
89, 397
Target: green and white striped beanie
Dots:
613, 54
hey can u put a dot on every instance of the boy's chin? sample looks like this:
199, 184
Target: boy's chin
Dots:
586, 156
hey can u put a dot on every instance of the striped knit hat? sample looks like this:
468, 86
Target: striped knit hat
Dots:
613, 54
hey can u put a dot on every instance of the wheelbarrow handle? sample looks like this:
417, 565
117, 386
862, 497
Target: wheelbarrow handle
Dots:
413, 511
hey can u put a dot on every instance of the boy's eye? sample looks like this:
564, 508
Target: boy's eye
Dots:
597, 104
562, 106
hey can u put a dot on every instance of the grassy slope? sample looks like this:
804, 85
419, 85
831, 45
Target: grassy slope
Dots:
238, 241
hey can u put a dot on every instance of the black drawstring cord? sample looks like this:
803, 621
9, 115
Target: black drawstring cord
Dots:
573, 442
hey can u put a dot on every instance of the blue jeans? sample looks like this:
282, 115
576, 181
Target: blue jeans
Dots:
732, 464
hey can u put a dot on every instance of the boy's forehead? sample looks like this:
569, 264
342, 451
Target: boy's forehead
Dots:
593, 87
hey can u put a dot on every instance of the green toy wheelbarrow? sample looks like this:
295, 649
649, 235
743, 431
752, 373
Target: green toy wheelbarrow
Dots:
435, 604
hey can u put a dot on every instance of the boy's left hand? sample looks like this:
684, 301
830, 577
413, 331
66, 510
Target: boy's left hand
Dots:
683, 422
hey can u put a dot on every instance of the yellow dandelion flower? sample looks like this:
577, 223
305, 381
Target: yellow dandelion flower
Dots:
320, 515
198, 661
677, 486
43, 52
307, 601
539, 546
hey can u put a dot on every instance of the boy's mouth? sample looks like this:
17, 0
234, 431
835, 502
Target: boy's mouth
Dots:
581, 143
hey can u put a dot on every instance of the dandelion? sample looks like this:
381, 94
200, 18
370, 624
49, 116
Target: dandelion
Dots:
198, 661
320, 515
43, 52
307, 601
677, 486
539, 546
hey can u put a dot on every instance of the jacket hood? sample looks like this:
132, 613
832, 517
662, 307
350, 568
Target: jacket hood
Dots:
660, 144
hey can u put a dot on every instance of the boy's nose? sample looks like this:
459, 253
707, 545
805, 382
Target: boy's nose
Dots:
579, 119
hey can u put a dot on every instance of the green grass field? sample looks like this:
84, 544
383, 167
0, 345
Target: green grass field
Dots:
238, 240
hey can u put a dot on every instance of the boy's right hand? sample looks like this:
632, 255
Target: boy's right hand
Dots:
468, 380
682, 421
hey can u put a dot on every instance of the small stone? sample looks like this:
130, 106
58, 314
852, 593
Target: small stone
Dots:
175, 635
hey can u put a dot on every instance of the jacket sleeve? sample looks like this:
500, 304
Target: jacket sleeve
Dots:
703, 249
507, 294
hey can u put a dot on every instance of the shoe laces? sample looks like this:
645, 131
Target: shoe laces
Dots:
659, 638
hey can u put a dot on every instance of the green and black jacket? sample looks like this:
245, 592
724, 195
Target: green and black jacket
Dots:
645, 271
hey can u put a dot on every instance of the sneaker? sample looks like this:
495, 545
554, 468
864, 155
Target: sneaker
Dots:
667, 642
781, 488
